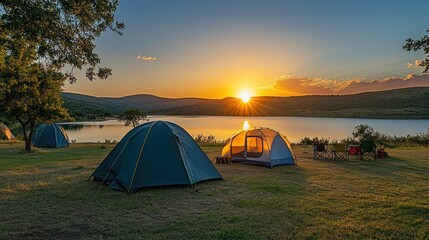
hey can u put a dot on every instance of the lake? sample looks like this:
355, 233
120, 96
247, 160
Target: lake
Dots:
222, 127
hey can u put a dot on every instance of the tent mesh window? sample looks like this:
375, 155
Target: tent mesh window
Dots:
254, 147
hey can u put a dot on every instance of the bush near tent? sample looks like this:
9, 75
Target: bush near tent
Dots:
50, 136
155, 154
261, 146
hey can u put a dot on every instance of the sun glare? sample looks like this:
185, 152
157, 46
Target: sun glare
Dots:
245, 96
246, 125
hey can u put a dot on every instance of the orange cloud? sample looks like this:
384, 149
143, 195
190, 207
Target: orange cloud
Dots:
320, 86
300, 86
146, 58
417, 63
386, 84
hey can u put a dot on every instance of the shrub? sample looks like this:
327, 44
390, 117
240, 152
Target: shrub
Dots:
367, 132
209, 139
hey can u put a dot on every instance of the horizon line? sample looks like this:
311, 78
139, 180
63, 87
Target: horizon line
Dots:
256, 96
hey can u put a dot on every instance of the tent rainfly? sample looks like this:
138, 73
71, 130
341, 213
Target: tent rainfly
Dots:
50, 136
5, 133
261, 146
153, 154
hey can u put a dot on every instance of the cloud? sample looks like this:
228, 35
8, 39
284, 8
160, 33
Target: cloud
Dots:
290, 85
300, 86
147, 58
417, 64
384, 84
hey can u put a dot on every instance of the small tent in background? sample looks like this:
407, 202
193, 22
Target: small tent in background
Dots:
155, 154
5, 133
259, 146
50, 136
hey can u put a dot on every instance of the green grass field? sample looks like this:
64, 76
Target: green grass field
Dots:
45, 195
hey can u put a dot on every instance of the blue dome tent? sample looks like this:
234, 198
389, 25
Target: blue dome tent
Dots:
50, 136
155, 154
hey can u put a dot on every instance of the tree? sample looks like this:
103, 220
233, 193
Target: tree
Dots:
132, 116
29, 92
415, 45
61, 31
363, 132
41, 43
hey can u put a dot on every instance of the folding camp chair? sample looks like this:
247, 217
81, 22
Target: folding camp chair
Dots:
339, 152
319, 151
354, 150
368, 150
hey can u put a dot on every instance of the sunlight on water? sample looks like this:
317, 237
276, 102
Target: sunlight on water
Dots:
295, 128
246, 125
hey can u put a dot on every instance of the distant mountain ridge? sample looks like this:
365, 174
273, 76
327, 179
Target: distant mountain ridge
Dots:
145, 102
398, 103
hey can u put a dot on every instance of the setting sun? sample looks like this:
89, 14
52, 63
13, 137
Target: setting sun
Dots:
245, 96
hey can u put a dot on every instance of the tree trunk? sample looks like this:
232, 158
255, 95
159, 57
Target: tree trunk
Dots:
27, 139
26, 136
29, 142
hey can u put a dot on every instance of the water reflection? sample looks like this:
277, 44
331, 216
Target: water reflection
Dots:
70, 127
103, 131
246, 125
295, 128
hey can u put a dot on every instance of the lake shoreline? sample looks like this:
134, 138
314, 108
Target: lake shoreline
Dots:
222, 127
268, 116
303, 116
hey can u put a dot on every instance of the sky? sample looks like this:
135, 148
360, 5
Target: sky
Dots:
222, 48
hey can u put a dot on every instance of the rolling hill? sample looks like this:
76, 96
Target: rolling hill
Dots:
398, 103
143, 101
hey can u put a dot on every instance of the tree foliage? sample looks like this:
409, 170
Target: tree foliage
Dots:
311, 141
62, 31
419, 44
363, 132
85, 110
132, 116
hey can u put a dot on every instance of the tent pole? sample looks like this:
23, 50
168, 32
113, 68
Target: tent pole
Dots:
113, 164
55, 133
138, 159
110, 168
